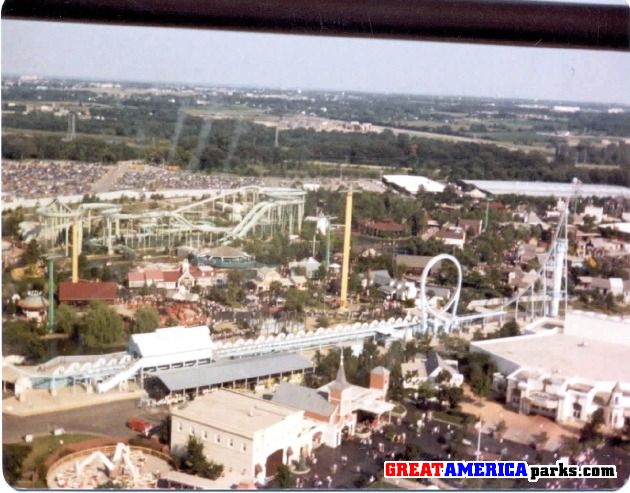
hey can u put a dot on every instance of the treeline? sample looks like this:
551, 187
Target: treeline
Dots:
80, 149
246, 148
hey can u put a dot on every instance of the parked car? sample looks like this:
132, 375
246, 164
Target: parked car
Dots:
140, 425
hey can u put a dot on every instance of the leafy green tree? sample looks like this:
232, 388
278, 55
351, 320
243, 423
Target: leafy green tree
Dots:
425, 393
13, 455
196, 462
509, 329
454, 396
284, 477
101, 326
11, 223
501, 427
66, 319
21, 337
147, 319
31, 253
539, 439
591, 430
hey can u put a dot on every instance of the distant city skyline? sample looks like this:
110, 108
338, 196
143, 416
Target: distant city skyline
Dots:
204, 57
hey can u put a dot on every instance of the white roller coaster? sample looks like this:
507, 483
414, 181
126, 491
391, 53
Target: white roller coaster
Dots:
223, 216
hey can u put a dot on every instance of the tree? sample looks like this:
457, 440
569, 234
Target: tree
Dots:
11, 223
165, 430
196, 462
147, 319
284, 477
539, 439
443, 377
425, 392
509, 329
590, 431
454, 396
13, 456
21, 337
501, 427
66, 318
31, 253
100, 326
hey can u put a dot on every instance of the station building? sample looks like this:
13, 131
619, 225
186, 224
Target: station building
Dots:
338, 407
249, 436
566, 372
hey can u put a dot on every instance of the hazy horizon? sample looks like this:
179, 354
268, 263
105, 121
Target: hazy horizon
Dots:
290, 62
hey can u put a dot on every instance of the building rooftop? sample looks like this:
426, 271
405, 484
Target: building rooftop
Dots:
225, 252
562, 354
412, 184
171, 340
33, 302
87, 291
307, 399
233, 370
234, 412
548, 189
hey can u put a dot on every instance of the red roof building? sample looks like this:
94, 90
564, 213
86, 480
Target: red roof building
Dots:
84, 292
384, 227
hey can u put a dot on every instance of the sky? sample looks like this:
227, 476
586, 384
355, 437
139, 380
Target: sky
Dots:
312, 62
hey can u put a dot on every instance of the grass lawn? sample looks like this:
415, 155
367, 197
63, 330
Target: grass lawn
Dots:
43, 447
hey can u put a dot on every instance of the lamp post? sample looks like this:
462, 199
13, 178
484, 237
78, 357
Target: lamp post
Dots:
479, 426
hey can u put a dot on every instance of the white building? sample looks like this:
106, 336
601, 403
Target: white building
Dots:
310, 266
566, 373
595, 212
427, 369
249, 436
413, 184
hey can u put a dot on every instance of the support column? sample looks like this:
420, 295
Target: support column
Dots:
109, 236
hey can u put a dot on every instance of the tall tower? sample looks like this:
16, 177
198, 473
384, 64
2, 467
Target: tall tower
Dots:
560, 268
75, 250
345, 267
51, 294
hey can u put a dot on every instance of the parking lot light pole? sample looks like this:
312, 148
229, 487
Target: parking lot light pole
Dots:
479, 426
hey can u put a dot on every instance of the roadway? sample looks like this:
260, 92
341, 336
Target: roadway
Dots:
103, 419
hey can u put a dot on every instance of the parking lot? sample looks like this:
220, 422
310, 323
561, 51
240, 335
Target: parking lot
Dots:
105, 419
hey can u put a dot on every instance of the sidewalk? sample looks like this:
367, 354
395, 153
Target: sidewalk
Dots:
520, 427
42, 402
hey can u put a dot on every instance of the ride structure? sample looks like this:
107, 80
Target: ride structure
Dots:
219, 218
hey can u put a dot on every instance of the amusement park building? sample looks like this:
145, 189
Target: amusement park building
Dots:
84, 292
249, 436
567, 373
172, 276
225, 257
338, 405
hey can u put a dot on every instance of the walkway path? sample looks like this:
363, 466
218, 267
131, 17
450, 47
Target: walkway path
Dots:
43, 402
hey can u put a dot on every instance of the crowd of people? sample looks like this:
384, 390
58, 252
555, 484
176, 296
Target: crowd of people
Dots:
34, 179
152, 178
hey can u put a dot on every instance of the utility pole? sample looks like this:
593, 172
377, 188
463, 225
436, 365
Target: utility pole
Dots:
51, 295
343, 298
328, 245
485, 226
